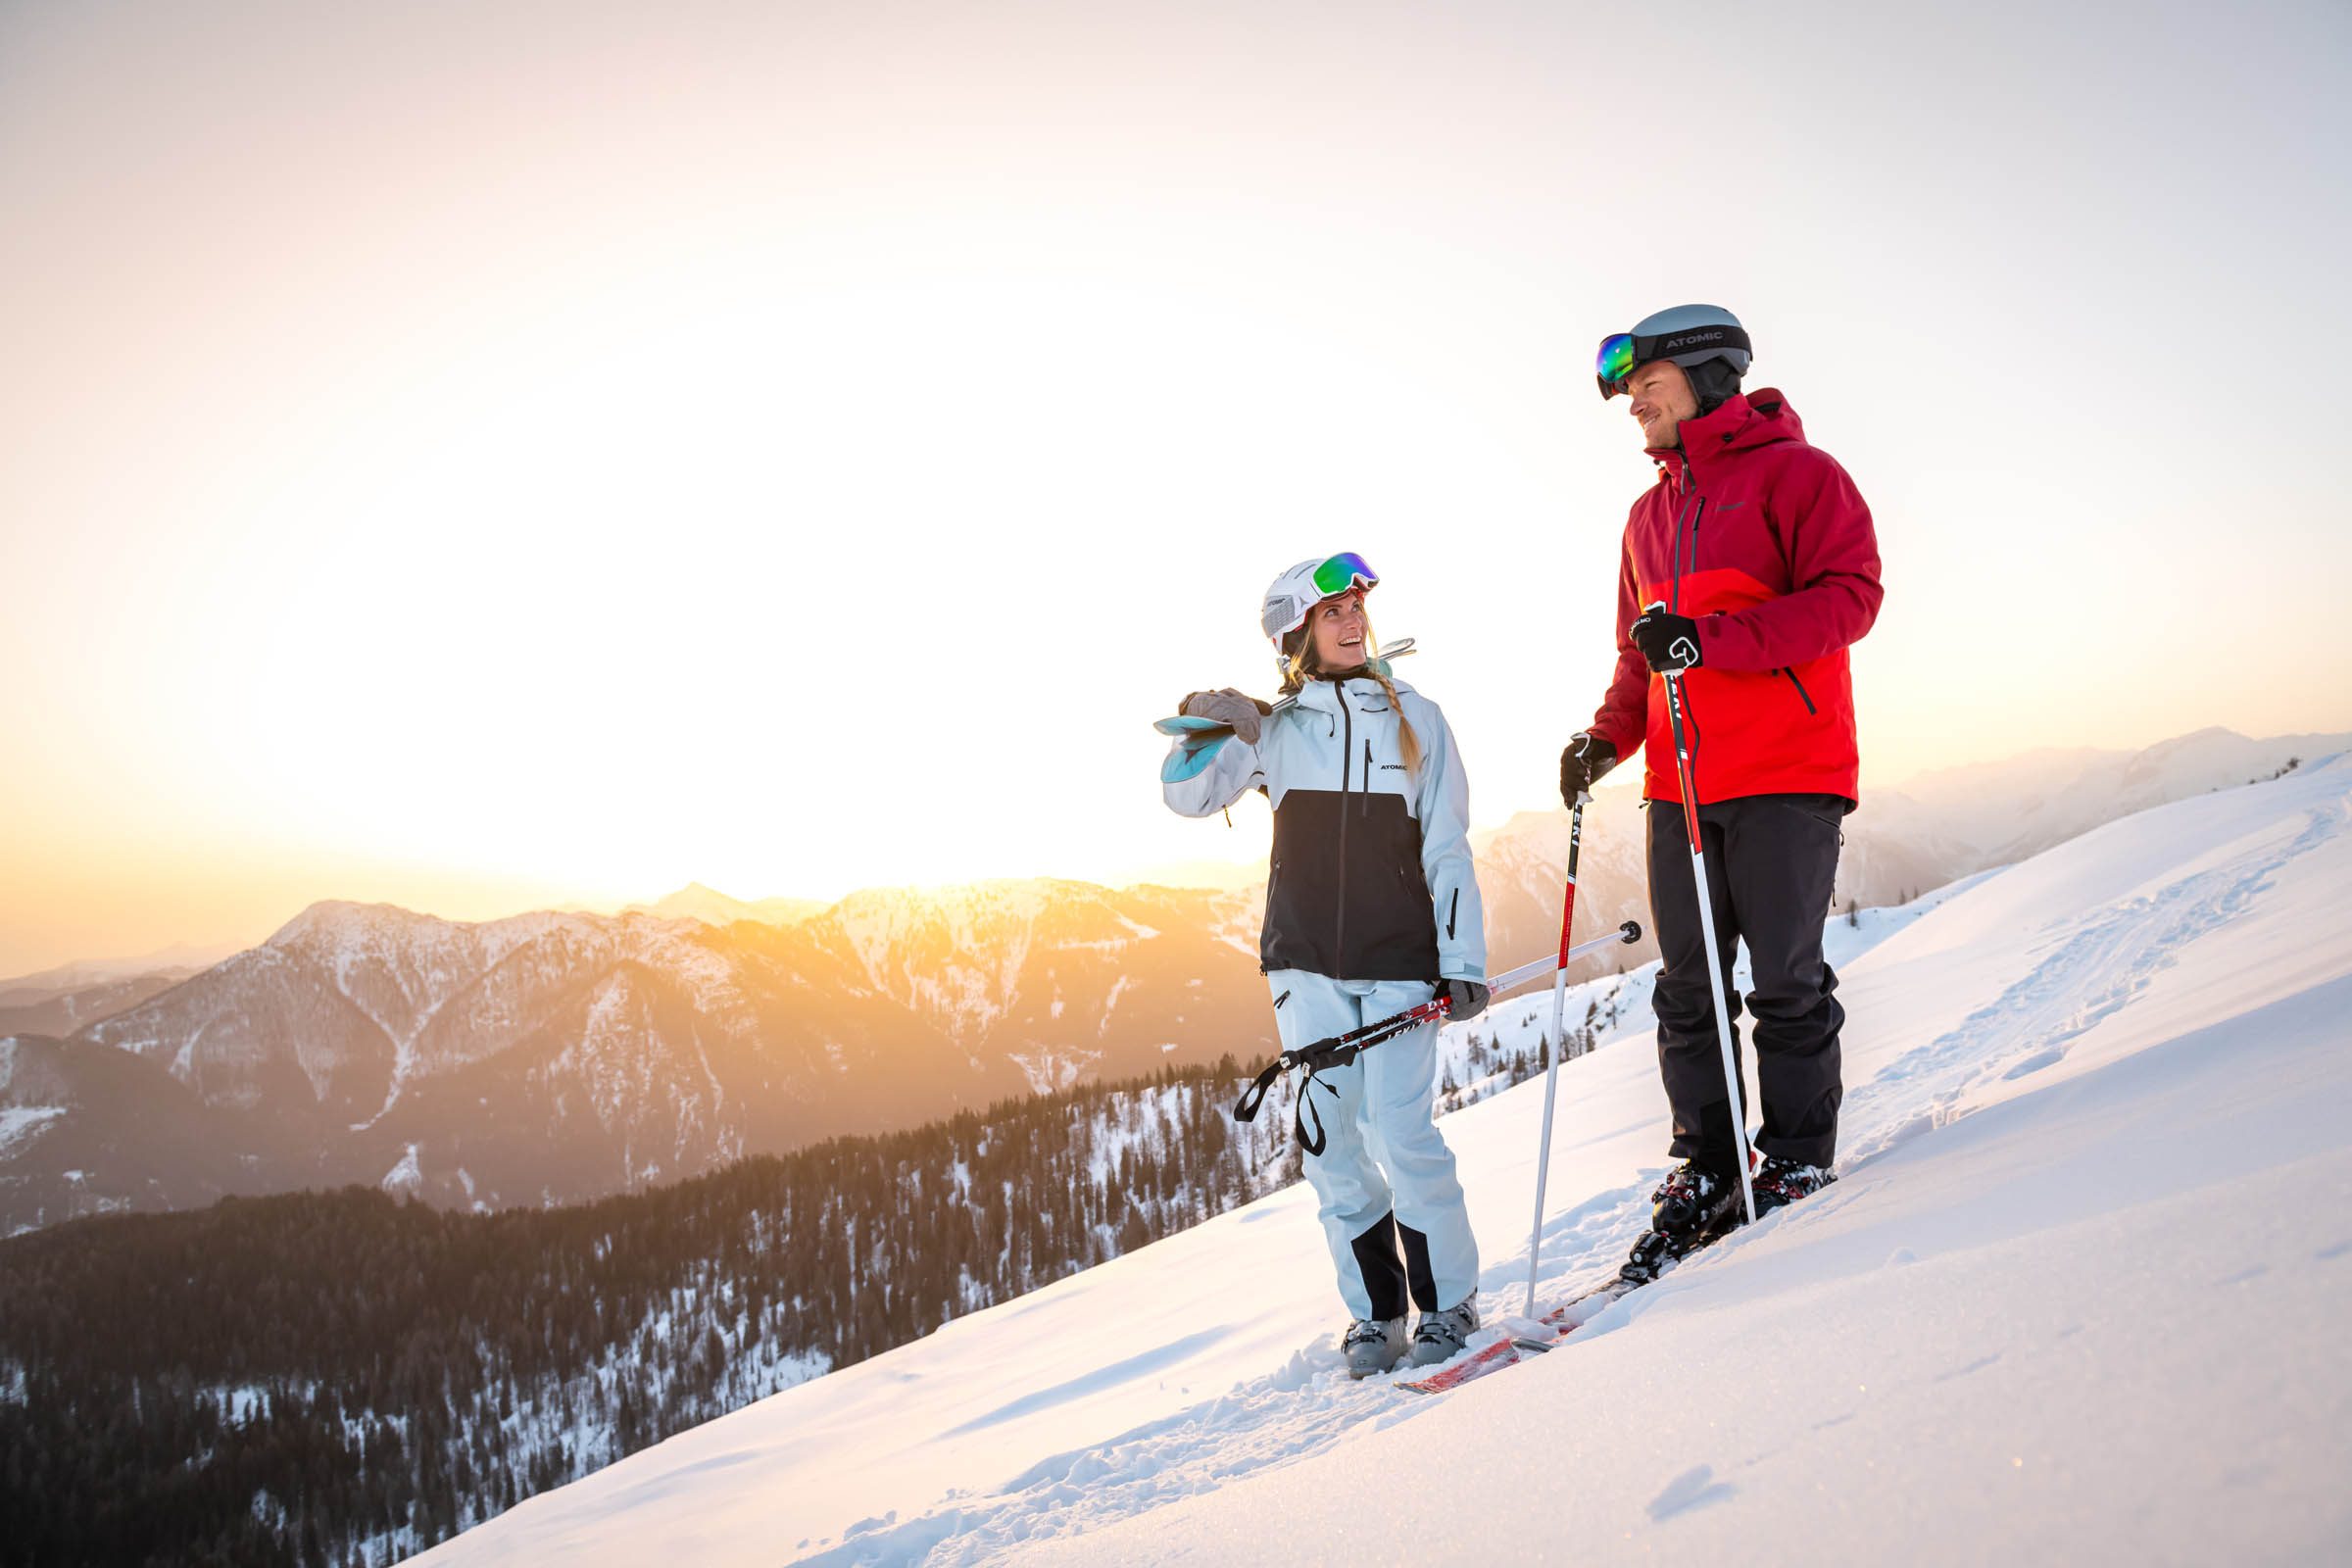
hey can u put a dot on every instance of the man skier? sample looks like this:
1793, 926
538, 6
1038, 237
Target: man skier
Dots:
1759, 555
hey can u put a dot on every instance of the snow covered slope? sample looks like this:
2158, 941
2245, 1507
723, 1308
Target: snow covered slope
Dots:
2078, 1295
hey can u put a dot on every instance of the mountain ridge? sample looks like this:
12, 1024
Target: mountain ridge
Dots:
558, 1055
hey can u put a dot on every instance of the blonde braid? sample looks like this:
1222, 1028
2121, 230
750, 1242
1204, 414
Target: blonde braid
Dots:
1408, 740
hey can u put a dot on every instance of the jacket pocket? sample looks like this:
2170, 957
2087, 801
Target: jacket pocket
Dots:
1802, 695
1827, 809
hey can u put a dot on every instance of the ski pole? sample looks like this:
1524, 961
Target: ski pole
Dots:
1706, 929
1551, 1068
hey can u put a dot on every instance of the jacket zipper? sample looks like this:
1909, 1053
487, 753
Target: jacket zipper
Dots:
1339, 963
1802, 692
1691, 516
1366, 803
1697, 511
1673, 591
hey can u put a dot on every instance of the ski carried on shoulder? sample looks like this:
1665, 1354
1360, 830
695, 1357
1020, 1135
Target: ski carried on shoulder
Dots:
1649, 1262
1200, 739
1189, 725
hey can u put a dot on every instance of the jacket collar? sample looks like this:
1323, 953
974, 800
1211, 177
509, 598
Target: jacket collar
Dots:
1319, 694
1742, 420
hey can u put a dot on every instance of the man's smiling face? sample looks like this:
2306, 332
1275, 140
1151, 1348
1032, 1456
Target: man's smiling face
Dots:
1662, 400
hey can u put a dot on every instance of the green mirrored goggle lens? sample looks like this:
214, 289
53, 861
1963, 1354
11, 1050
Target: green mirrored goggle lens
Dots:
1343, 573
1616, 360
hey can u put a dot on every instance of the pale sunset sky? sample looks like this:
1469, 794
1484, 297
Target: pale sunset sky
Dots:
490, 455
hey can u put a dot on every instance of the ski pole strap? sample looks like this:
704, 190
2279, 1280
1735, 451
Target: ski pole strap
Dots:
1312, 1142
1246, 1108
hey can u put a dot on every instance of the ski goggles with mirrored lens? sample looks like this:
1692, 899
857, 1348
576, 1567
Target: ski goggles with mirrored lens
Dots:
1616, 362
1344, 571
1620, 352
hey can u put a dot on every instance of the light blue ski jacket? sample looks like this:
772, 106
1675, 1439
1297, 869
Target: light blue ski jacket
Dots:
1371, 877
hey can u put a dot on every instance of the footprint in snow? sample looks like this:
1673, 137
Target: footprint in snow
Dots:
1692, 1488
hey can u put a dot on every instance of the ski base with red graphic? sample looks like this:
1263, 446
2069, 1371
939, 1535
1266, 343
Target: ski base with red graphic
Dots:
1557, 1323
1557, 1326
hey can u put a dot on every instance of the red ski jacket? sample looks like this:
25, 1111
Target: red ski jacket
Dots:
1765, 542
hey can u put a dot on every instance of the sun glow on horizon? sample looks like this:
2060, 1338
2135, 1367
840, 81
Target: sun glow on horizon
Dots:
803, 451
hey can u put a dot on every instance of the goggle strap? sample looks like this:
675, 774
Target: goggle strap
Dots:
1664, 346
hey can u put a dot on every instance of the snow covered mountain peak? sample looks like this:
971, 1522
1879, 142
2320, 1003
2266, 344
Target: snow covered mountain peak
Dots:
343, 919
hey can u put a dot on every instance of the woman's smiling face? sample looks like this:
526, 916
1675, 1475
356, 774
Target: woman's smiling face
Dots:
1338, 628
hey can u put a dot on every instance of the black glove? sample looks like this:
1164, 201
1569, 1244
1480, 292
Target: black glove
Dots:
1582, 765
1670, 642
1466, 999
1228, 707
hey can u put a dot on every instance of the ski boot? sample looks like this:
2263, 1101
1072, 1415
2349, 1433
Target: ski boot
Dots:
1690, 1200
1440, 1336
1693, 1206
1373, 1346
1781, 1182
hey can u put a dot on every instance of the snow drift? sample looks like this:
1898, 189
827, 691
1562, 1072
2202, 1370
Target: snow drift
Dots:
2079, 1293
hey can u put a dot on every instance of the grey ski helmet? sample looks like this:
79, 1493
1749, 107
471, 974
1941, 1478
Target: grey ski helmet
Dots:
1690, 335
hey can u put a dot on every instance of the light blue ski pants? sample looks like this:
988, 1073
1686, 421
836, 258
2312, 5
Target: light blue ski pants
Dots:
1383, 1154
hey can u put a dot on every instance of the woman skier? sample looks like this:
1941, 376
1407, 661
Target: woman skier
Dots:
1371, 905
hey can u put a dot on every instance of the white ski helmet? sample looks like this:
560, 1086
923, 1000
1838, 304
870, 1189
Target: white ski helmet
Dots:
1307, 585
1688, 334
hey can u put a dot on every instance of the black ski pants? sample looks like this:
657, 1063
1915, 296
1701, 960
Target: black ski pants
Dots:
1771, 861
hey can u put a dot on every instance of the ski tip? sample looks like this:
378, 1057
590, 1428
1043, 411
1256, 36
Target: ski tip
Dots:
1191, 758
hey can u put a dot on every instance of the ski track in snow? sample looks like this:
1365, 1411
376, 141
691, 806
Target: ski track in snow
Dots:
2092, 966
1306, 1406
